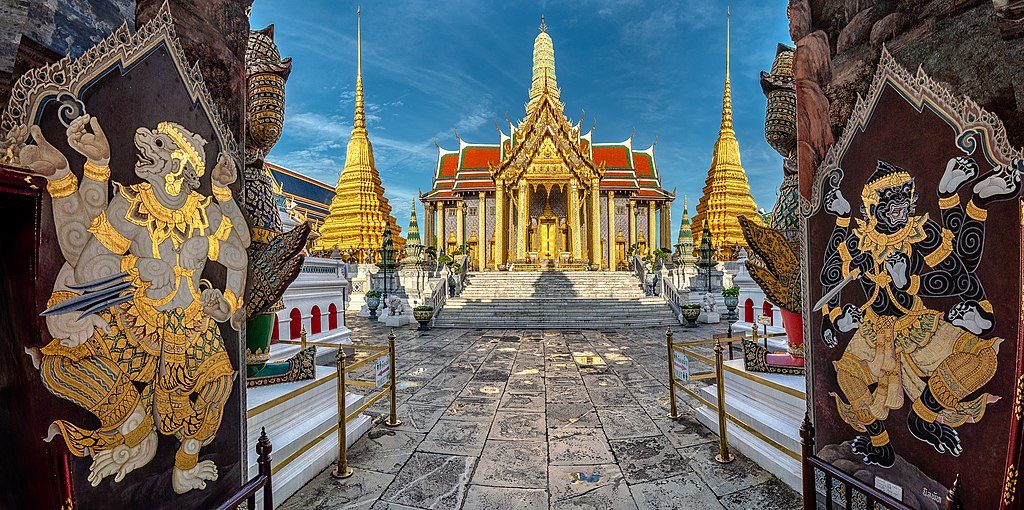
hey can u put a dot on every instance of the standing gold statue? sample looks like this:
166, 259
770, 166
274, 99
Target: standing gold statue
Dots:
145, 353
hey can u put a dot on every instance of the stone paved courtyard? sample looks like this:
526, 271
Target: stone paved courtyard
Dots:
500, 419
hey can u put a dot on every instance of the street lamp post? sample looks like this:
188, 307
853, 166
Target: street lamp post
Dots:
387, 253
705, 251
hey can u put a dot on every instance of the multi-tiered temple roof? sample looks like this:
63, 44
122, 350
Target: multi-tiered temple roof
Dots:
726, 193
359, 212
468, 169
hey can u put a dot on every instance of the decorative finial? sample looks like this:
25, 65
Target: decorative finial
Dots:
359, 117
543, 26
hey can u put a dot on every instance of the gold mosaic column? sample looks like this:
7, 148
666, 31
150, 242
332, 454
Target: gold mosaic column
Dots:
595, 229
611, 231
632, 223
523, 228
499, 224
439, 225
460, 224
666, 226
428, 225
651, 233
574, 221
481, 230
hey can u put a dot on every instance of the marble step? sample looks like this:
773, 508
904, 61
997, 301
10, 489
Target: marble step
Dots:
440, 323
299, 418
772, 412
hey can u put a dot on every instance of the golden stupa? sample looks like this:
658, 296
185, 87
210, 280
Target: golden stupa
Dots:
359, 211
726, 193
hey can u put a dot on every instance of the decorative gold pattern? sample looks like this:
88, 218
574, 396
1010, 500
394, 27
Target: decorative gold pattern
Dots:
96, 172
60, 188
1010, 486
221, 193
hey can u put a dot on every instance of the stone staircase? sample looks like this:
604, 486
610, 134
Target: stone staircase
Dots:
554, 300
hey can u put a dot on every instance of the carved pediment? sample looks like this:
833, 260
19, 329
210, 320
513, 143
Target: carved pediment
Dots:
547, 147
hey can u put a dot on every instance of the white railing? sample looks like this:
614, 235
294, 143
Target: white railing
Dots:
439, 295
676, 298
324, 266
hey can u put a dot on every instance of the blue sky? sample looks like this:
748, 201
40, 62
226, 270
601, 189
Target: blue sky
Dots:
431, 67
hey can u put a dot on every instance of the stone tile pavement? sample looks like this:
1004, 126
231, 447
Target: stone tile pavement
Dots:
499, 419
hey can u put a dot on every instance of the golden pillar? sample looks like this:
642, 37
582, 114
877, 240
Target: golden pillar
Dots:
574, 221
439, 226
632, 223
428, 225
499, 224
611, 231
460, 224
523, 228
666, 226
481, 230
651, 233
595, 228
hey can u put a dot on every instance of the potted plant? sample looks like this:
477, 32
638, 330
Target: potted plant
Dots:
690, 312
372, 302
423, 314
732, 298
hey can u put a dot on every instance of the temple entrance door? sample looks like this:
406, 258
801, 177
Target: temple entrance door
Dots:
551, 239
548, 238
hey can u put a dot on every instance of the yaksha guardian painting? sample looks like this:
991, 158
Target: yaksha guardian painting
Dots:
141, 275
913, 271
133, 324
903, 350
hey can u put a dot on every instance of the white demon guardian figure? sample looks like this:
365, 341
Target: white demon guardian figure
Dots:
135, 335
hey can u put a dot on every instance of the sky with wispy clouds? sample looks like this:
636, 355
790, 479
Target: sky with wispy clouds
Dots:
433, 67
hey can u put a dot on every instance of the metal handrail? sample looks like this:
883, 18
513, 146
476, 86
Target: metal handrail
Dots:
262, 481
342, 469
720, 407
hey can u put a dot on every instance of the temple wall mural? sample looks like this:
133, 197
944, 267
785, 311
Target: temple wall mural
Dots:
913, 271
141, 272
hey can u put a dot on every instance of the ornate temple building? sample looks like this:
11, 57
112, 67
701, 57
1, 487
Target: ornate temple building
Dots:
546, 195
726, 193
359, 212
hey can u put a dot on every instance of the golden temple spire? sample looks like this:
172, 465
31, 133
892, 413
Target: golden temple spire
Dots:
544, 80
359, 118
359, 212
727, 95
726, 193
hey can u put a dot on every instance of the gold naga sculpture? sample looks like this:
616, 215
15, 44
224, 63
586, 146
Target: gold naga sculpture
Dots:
136, 340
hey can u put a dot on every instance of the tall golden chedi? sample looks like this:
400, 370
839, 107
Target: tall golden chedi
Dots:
726, 193
359, 211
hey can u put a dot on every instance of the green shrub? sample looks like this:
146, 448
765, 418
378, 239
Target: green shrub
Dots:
731, 291
373, 293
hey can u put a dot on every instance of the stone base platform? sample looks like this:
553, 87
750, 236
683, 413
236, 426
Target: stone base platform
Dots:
757, 401
301, 419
